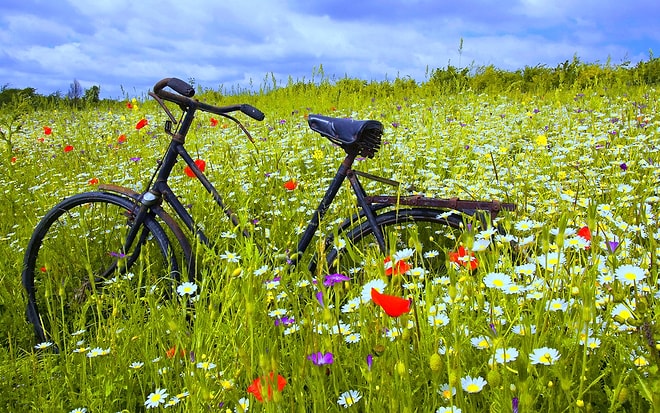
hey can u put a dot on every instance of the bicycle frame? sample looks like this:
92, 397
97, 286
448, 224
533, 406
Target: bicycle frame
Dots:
160, 191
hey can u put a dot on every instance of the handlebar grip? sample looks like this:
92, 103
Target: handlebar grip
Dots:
175, 84
252, 112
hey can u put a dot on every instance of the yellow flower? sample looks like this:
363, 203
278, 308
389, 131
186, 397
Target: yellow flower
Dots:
541, 140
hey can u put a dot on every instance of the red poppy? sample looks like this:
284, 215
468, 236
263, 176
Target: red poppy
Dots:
47, 130
41, 139
141, 124
171, 352
393, 306
68, 148
121, 139
585, 233
13, 159
291, 184
214, 122
201, 164
129, 105
462, 257
256, 386
93, 181
398, 268
43, 269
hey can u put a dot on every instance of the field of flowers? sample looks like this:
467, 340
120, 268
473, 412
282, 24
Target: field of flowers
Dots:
571, 325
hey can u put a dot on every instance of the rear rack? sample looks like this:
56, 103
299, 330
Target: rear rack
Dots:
494, 207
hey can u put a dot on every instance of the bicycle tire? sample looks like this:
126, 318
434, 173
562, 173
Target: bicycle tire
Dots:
76, 249
428, 232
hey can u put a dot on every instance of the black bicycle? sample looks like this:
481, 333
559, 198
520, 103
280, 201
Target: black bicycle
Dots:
93, 239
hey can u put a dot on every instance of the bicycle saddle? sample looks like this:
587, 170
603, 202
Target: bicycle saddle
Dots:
361, 136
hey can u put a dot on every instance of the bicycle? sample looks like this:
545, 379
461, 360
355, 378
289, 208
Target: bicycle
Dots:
92, 238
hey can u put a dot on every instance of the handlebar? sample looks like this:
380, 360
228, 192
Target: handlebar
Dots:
184, 95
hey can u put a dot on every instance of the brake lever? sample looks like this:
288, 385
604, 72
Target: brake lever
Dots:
162, 105
247, 133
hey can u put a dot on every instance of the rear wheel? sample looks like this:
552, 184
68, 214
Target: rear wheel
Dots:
423, 236
77, 270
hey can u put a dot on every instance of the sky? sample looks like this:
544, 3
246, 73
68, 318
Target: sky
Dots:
126, 46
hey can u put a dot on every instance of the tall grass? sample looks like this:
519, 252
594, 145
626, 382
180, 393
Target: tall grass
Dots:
572, 326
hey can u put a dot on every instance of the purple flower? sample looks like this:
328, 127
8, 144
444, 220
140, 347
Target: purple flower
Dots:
319, 297
332, 279
136, 159
624, 166
285, 321
370, 361
321, 358
395, 124
514, 405
612, 245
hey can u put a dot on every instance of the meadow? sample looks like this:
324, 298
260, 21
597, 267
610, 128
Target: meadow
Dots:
572, 325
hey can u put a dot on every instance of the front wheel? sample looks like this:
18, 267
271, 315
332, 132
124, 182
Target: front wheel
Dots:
77, 270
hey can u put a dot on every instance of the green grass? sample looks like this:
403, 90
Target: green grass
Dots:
568, 158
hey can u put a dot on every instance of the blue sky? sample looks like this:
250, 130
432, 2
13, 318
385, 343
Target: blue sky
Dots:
131, 44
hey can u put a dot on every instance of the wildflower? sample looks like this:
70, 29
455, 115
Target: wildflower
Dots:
525, 225
353, 338
135, 159
550, 260
393, 306
431, 254
44, 345
68, 148
399, 267
480, 245
201, 165
622, 312
378, 284
93, 181
497, 280
629, 274
446, 391
136, 365
404, 254
438, 320
257, 390
141, 124
320, 358
156, 398
121, 139
230, 256
79, 410
172, 402
481, 342
214, 122
352, 305
187, 288
544, 355
506, 355
463, 258
243, 403
623, 166
349, 398
557, 304
98, 351
206, 365
473, 384
291, 184
332, 279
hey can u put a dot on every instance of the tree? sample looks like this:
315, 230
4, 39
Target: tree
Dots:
92, 94
75, 90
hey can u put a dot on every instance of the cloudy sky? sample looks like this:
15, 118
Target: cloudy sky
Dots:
130, 44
